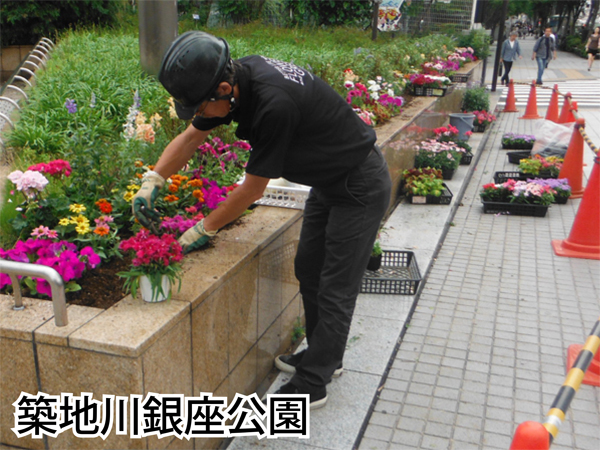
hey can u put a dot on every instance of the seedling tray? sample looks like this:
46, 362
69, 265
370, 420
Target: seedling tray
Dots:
460, 77
420, 91
515, 209
444, 199
398, 275
503, 177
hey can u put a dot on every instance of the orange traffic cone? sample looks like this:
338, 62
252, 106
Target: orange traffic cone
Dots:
510, 105
566, 115
531, 110
584, 239
530, 436
592, 374
572, 167
552, 113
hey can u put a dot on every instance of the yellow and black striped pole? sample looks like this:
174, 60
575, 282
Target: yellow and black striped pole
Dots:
561, 403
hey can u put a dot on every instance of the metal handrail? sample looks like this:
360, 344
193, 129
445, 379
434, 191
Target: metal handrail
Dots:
14, 268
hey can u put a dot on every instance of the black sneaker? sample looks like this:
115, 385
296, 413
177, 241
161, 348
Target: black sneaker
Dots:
288, 363
317, 398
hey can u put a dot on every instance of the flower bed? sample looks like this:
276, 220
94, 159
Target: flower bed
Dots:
375, 102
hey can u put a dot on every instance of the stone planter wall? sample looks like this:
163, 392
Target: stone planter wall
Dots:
235, 312
10, 58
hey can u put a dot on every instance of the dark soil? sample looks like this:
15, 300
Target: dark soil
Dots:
101, 287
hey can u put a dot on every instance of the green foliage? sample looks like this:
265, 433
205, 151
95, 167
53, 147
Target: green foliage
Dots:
26, 21
329, 12
478, 40
574, 44
239, 12
298, 332
377, 250
476, 99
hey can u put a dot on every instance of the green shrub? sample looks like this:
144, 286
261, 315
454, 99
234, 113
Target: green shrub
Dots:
25, 22
574, 44
478, 40
476, 99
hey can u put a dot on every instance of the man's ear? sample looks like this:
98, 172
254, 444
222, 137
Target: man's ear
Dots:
224, 88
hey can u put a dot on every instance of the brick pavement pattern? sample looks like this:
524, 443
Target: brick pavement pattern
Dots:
486, 347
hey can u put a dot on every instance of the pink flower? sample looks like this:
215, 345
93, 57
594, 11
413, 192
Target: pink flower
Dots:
30, 182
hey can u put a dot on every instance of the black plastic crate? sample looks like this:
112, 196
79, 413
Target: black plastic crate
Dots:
503, 177
516, 157
460, 77
420, 91
466, 159
515, 209
398, 275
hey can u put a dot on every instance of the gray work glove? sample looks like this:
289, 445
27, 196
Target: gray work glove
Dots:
143, 202
195, 237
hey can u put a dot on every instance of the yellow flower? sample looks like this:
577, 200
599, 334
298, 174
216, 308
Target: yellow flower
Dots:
76, 208
80, 220
172, 112
155, 120
82, 229
128, 196
64, 222
140, 119
133, 187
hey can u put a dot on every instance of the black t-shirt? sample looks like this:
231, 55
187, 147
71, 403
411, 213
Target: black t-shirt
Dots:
299, 127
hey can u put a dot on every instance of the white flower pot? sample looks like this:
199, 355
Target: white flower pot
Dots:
155, 295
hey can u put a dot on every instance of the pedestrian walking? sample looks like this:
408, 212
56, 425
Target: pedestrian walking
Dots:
510, 50
544, 50
301, 129
591, 47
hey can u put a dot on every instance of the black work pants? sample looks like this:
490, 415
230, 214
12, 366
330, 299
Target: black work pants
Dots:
338, 232
507, 67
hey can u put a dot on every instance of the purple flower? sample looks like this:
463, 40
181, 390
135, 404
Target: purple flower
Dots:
71, 106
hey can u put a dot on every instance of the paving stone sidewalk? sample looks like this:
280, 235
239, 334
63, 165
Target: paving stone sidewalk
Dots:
486, 347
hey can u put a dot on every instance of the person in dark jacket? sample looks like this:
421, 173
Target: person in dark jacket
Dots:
543, 51
510, 50
300, 129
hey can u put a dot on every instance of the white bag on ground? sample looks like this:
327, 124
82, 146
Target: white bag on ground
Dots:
552, 139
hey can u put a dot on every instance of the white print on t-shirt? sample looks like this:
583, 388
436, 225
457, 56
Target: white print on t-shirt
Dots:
288, 70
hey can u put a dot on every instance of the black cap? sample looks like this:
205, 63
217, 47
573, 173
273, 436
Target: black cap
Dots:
192, 69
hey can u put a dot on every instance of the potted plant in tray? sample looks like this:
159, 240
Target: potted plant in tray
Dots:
526, 198
426, 186
561, 188
482, 120
518, 141
439, 155
539, 166
428, 85
376, 256
155, 267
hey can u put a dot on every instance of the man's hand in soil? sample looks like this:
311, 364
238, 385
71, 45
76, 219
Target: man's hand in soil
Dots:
143, 201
